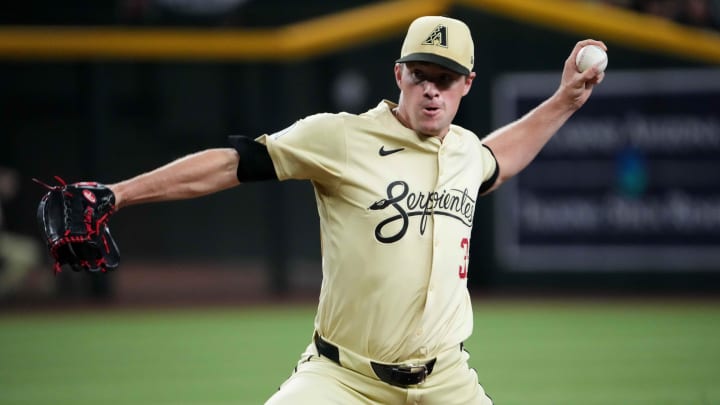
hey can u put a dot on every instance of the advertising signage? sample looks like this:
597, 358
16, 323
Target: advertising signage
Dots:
630, 182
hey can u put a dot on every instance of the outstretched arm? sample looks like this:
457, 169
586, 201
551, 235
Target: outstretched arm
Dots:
192, 176
516, 144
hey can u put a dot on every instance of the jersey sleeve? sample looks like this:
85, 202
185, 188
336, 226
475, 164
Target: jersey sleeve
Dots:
491, 169
312, 148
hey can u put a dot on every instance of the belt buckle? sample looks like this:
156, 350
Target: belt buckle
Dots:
419, 371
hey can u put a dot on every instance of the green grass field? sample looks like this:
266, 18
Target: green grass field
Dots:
526, 352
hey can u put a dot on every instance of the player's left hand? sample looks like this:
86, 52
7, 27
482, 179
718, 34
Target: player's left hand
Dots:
73, 218
576, 87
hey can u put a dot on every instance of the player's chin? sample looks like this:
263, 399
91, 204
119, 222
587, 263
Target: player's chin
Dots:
433, 128
431, 133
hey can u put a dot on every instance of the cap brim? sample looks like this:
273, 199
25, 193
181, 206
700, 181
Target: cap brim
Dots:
436, 59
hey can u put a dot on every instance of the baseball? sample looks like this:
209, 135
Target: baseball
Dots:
591, 55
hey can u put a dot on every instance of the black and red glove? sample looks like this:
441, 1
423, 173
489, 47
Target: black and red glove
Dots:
73, 218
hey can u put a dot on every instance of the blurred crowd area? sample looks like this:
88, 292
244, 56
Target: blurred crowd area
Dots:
696, 13
250, 13
20, 253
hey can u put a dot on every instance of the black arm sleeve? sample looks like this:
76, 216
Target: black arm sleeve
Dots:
255, 162
487, 184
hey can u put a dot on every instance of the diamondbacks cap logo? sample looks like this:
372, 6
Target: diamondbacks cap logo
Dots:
437, 37
428, 40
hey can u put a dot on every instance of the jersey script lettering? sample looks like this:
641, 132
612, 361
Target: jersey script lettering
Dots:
454, 203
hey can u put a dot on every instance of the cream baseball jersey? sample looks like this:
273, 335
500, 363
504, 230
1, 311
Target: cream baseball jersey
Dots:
396, 211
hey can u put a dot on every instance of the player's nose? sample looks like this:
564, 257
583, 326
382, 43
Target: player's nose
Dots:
430, 89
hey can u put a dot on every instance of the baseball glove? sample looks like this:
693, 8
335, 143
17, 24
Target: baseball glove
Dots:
73, 218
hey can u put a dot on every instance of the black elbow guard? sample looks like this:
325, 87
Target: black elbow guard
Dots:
487, 184
255, 162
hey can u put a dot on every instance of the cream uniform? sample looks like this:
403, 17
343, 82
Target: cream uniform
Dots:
396, 211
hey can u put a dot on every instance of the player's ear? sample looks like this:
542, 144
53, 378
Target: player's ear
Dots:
468, 83
398, 73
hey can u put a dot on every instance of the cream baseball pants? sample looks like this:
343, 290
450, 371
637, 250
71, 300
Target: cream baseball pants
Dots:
318, 380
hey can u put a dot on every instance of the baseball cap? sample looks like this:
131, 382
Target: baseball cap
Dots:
441, 40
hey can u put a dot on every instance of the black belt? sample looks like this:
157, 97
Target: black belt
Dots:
400, 375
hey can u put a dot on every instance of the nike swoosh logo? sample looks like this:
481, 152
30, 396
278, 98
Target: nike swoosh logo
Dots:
385, 152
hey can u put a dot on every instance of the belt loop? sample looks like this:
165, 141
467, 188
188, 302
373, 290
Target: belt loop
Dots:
326, 349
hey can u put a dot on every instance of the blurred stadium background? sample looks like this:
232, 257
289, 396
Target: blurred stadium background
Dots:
595, 273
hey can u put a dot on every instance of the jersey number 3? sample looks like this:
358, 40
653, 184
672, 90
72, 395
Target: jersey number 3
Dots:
465, 245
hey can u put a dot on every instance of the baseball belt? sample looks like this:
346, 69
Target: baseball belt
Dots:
399, 375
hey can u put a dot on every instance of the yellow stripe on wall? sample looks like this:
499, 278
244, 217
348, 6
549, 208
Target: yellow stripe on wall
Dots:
148, 44
304, 39
607, 23
356, 27
350, 28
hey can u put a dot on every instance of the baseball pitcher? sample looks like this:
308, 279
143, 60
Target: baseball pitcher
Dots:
396, 189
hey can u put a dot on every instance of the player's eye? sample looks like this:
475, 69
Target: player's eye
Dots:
445, 80
418, 76
442, 80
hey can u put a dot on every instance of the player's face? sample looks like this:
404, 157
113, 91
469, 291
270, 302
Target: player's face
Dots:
429, 96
